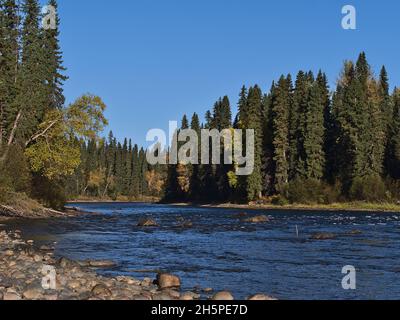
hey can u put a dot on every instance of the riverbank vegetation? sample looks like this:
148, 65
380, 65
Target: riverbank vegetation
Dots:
313, 145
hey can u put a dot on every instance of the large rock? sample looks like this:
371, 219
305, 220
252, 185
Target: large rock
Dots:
257, 219
223, 296
147, 222
165, 281
11, 295
261, 297
33, 294
323, 236
101, 290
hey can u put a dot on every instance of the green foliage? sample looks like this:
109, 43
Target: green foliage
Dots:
312, 191
368, 188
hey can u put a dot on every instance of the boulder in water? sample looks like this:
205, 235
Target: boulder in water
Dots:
147, 222
258, 219
323, 236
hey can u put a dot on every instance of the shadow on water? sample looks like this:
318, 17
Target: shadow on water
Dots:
216, 248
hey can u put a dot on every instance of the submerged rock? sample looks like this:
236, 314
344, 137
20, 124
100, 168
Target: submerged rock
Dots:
166, 280
147, 222
258, 219
323, 236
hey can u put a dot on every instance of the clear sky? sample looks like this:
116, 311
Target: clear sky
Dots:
154, 60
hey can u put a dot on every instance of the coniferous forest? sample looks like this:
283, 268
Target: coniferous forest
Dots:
313, 143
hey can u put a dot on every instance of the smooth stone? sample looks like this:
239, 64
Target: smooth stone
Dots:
208, 290
258, 219
223, 296
186, 297
172, 293
74, 284
166, 280
162, 297
11, 295
261, 297
32, 294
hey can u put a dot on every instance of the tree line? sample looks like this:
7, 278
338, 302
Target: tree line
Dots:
311, 145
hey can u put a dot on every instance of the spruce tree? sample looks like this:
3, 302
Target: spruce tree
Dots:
54, 64
254, 121
280, 114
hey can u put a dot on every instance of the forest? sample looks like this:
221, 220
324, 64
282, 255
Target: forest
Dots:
313, 144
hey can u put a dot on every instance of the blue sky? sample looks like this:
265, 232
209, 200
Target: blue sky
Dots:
152, 61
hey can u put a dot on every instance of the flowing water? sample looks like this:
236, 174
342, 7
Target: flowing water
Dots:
222, 251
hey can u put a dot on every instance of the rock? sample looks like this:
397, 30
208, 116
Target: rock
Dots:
208, 290
101, 290
261, 297
146, 282
258, 219
187, 296
11, 295
172, 293
32, 294
74, 284
323, 236
162, 297
102, 264
147, 222
9, 253
30, 242
165, 280
223, 296
67, 263
37, 258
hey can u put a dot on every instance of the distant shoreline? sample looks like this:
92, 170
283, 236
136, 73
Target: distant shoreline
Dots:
335, 207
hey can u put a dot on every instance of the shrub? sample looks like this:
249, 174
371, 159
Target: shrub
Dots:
312, 191
369, 188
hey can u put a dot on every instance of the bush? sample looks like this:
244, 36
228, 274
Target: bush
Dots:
312, 191
50, 193
369, 188
279, 201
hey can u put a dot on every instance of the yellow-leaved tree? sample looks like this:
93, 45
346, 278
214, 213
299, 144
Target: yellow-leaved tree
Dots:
54, 150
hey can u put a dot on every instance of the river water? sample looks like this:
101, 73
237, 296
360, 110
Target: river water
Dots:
223, 252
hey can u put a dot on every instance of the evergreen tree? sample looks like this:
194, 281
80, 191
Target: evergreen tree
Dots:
254, 121
280, 114
54, 69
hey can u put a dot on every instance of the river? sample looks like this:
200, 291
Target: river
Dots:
223, 252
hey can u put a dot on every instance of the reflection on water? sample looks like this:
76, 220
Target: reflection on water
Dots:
223, 252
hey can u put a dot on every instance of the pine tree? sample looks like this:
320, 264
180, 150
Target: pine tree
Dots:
54, 69
31, 98
9, 59
254, 121
195, 180
314, 132
280, 114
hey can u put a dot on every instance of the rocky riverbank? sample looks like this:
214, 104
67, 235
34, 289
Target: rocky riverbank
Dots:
30, 273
